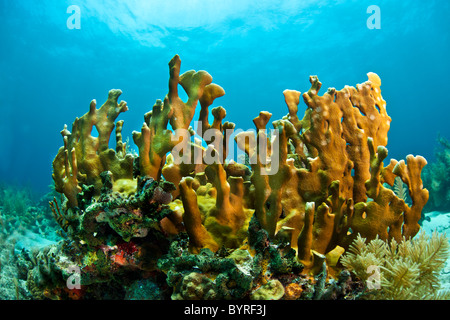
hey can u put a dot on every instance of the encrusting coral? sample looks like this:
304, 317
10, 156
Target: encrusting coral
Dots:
232, 230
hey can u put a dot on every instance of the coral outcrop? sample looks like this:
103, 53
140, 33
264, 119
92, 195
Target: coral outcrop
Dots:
436, 178
329, 186
84, 157
270, 228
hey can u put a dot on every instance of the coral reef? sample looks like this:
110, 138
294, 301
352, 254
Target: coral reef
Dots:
25, 223
20, 213
259, 270
198, 225
436, 178
10, 288
334, 179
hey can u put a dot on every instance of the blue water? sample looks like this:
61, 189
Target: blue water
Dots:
253, 49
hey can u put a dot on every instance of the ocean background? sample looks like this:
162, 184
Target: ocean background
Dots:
253, 49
